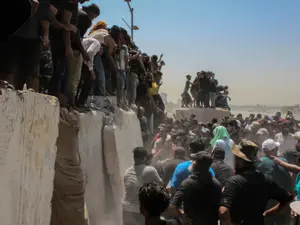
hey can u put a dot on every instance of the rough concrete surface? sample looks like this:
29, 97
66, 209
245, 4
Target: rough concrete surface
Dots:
202, 115
29, 128
91, 151
119, 141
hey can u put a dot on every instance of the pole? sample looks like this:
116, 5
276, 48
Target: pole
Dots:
131, 12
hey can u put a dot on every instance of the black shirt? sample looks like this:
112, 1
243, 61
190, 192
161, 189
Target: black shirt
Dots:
204, 83
31, 29
213, 83
55, 33
290, 156
136, 66
82, 22
169, 167
246, 196
222, 171
200, 195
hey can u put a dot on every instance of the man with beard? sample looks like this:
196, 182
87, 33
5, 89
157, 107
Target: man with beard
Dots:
246, 194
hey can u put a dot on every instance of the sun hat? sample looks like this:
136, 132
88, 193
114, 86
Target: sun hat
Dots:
246, 150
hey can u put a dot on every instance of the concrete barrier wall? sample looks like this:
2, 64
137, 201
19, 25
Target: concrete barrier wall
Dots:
106, 152
202, 115
91, 150
29, 128
119, 141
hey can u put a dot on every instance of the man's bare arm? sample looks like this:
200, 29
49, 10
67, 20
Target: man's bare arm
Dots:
224, 215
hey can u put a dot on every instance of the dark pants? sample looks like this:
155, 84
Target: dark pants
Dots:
86, 84
100, 86
59, 69
20, 57
278, 219
205, 96
199, 100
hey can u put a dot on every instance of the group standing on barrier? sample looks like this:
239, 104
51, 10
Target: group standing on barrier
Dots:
50, 49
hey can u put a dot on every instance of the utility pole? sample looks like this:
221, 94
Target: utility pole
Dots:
131, 12
132, 26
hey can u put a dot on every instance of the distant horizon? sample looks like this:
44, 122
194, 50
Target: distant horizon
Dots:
238, 105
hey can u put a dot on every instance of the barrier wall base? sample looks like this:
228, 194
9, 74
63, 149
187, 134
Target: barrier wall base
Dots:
202, 115
29, 128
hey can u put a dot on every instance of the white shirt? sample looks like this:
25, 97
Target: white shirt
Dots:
286, 143
134, 178
92, 47
99, 35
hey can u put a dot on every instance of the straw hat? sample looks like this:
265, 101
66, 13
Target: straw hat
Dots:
246, 150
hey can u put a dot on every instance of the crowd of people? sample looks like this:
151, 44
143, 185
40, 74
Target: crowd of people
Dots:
235, 171
59, 52
205, 91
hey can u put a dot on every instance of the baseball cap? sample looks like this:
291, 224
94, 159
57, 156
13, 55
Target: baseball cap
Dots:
270, 145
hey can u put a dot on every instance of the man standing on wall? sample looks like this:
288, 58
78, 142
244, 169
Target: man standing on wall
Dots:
83, 21
20, 54
213, 83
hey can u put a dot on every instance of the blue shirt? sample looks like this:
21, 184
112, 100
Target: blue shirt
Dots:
182, 172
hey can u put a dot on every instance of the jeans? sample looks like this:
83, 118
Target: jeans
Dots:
100, 85
85, 86
123, 79
212, 97
133, 82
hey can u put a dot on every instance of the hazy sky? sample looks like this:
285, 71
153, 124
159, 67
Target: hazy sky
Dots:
253, 46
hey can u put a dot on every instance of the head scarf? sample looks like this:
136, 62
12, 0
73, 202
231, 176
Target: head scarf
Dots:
219, 132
